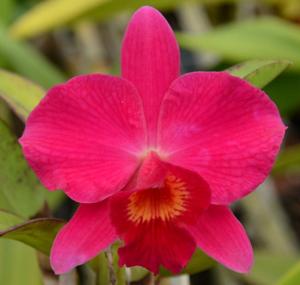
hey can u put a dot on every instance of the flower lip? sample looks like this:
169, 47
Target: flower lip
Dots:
165, 202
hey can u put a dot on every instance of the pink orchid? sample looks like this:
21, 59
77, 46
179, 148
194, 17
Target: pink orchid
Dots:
154, 158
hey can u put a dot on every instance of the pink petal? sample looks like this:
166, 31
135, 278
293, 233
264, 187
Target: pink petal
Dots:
87, 233
84, 137
150, 60
226, 130
219, 234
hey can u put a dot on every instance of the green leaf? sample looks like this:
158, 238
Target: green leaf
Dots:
259, 38
292, 277
20, 191
8, 220
40, 19
259, 72
29, 62
20, 94
37, 233
19, 264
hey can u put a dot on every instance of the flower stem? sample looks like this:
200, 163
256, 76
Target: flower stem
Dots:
111, 269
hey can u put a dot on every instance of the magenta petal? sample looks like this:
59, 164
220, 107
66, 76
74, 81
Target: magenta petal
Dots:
151, 221
150, 60
157, 244
87, 233
150, 244
219, 234
85, 135
221, 127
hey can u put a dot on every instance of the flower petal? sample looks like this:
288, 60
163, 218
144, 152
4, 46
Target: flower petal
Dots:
150, 244
157, 244
219, 234
221, 127
150, 60
84, 137
83, 237
151, 221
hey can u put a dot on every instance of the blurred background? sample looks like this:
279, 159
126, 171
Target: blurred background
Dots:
50, 41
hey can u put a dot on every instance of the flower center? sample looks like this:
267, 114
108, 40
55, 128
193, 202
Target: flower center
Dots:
165, 203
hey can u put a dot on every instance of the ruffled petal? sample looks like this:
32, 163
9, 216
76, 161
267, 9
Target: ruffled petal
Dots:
85, 135
220, 235
221, 127
151, 221
159, 244
83, 237
150, 60
150, 244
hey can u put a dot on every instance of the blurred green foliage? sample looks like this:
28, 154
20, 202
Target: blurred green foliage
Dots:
259, 38
39, 19
24, 59
292, 277
269, 267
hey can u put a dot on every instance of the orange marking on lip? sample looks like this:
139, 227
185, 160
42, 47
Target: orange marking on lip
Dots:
163, 203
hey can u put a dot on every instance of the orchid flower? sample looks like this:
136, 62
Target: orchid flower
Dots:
154, 158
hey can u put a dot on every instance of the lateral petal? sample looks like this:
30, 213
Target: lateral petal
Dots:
220, 235
83, 237
221, 127
85, 135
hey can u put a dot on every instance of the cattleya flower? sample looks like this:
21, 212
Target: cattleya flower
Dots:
154, 158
